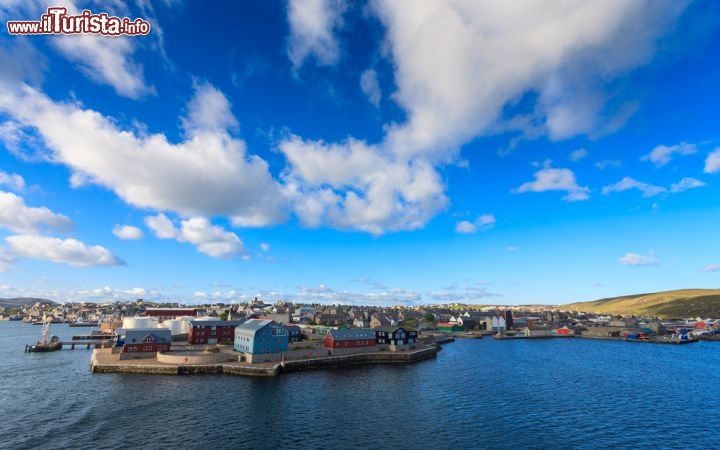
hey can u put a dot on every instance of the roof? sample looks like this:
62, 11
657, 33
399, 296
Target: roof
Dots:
251, 326
394, 329
216, 323
158, 334
349, 334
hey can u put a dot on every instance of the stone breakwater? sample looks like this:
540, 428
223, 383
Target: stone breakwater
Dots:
105, 362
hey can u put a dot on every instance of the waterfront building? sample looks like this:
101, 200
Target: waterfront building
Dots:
294, 333
396, 337
171, 313
450, 327
350, 338
260, 340
212, 331
144, 341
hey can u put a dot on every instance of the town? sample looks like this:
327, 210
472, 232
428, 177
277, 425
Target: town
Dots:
259, 338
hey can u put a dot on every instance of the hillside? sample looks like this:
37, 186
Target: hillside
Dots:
22, 301
668, 304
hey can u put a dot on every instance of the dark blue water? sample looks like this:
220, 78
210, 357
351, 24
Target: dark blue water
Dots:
484, 393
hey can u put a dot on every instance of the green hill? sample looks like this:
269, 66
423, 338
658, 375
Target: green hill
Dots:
23, 301
668, 304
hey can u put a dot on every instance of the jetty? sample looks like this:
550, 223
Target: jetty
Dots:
106, 361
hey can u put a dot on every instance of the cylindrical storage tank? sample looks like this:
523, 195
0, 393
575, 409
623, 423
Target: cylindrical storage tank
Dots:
174, 325
185, 323
140, 322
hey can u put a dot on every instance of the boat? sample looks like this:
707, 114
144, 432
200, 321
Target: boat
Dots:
46, 343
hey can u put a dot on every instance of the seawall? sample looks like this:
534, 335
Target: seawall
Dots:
105, 362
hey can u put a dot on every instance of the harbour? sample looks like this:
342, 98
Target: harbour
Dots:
470, 381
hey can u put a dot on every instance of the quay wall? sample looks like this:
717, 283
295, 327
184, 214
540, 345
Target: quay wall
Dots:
102, 363
195, 358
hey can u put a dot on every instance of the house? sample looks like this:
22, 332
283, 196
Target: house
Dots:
147, 341
396, 337
261, 340
294, 333
350, 338
171, 313
212, 331
450, 327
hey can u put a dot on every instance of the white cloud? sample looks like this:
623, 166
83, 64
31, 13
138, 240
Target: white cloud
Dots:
712, 162
12, 180
370, 86
648, 190
511, 248
208, 174
459, 63
66, 251
465, 227
662, 154
127, 232
634, 259
15, 215
312, 24
578, 154
365, 190
607, 163
264, 246
685, 184
482, 223
711, 268
550, 179
207, 238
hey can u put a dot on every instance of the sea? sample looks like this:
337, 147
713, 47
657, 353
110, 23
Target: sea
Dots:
477, 394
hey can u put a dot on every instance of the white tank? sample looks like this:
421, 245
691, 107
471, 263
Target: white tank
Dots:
175, 326
140, 322
205, 318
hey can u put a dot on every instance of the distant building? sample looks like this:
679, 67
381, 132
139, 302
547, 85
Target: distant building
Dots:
260, 340
171, 313
350, 338
294, 333
395, 337
450, 327
144, 340
212, 331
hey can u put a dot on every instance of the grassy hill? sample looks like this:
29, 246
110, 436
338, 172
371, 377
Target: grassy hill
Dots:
668, 304
22, 301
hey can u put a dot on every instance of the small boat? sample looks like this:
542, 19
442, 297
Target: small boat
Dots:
46, 343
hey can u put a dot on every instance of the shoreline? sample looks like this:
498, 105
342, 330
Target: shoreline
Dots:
106, 364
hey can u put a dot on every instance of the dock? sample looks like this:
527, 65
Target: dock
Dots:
71, 345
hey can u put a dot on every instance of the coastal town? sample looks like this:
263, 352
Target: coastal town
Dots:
258, 338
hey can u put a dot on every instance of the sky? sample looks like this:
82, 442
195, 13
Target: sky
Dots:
371, 153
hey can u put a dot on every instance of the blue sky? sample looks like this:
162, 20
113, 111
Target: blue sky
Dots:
380, 153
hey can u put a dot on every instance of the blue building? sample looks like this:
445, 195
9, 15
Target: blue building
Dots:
258, 337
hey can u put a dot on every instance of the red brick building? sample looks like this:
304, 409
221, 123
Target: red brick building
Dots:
349, 338
212, 331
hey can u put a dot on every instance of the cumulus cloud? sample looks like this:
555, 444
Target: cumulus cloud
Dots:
627, 183
12, 180
365, 190
458, 64
685, 184
65, 251
127, 232
482, 223
370, 86
662, 154
15, 215
712, 162
209, 239
711, 268
578, 154
635, 259
312, 27
551, 179
207, 174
